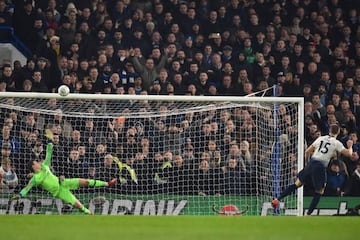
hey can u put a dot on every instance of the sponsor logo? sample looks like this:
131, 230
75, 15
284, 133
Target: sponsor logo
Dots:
97, 205
229, 210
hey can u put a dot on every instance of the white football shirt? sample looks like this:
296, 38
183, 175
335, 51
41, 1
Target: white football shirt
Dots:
325, 148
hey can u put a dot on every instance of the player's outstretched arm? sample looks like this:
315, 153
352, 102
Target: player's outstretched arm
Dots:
49, 151
26, 189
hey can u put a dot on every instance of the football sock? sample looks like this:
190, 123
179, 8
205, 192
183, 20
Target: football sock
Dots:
314, 203
97, 183
289, 190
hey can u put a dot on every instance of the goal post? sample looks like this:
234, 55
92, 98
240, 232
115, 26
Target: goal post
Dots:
172, 155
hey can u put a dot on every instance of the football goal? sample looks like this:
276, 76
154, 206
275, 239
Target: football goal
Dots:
172, 155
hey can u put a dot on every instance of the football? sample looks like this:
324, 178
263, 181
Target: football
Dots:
63, 90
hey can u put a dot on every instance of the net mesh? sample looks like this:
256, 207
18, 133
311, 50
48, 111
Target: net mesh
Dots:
170, 157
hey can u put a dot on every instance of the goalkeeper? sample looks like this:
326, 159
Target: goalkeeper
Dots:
58, 187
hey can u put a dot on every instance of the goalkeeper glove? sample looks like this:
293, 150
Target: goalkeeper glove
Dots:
15, 197
49, 135
116, 159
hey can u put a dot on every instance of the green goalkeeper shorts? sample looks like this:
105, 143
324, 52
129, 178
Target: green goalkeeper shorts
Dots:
64, 192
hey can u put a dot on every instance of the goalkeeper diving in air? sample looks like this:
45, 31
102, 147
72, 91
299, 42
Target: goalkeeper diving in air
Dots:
58, 187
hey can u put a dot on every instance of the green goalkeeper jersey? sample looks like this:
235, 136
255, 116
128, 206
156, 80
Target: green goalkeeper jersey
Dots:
45, 178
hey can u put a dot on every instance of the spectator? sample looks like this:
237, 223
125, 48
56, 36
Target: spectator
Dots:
6, 151
128, 75
337, 179
63, 127
8, 177
75, 140
189, 156
23, 20
66, 34
7, 140
36, 152
74, 166
181, 177
5, 16
353, 188
108, 169
100, 14
206, 179
227, 86
7, 78
155, 89
131, 142
247, 155
91, 133
149, 71
233, 178
38, 83
162, 170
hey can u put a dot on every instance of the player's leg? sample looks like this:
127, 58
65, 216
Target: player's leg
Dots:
319, 178
95, 183
302, 176
81, 207
66, 196
75, 183
315, 200
291, 188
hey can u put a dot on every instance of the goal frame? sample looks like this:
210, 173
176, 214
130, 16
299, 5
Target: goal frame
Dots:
275, 100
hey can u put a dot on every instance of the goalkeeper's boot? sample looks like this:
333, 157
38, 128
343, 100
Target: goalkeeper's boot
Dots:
276, 205
112, 182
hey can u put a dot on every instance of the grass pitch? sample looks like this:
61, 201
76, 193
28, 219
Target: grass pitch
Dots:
50, 227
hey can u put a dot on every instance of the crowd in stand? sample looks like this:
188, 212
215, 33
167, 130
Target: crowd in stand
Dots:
228, 47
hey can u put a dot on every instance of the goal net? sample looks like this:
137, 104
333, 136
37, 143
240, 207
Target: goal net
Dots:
172, 155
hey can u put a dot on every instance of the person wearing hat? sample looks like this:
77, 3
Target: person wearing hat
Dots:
189, 48
155, 89
106, 72
216, 41
212, 89
227, 53
280, 76
42, 65
42, 59
307, 92
66, 34
8, 177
